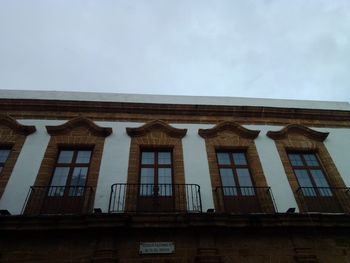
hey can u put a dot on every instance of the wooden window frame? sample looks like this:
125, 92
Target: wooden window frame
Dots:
72, 164
308, 168
155, 166
234, 167
5, 147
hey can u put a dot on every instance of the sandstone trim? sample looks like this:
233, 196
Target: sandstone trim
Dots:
15, 126
300, 129
77, 122
303, 139
228, 126
156, 125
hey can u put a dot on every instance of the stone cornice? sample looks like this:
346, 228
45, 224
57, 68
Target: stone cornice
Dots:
156, 125
300, 129
226, 222
15, 126
228, 126
77, 122
39, 107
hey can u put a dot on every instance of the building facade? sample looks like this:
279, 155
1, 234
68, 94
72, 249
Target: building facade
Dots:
93, 177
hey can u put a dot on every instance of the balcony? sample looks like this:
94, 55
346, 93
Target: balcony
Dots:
58, 200
245, 200
324, 199
155, 198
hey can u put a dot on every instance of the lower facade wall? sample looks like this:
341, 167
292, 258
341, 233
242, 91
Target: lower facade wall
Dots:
191, 245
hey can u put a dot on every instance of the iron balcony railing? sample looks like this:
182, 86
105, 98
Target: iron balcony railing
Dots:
324, 199
155, 198
58, 200
245, 200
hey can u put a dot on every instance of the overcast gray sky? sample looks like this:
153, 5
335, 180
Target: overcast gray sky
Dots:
247, 48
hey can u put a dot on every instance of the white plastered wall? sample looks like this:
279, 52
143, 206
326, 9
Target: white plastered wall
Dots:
196, 162
338, 146
27, 166
273, 168
115, 158
115, 161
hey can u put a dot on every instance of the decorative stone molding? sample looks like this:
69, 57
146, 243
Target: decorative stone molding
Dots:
156, 125
232, 136
228, 126
12, 136
156, 134
15, 126
78, 133
78, 122
299, 129
296, 137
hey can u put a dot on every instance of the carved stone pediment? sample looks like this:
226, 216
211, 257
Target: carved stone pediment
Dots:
15, 126
298, 129
228, 126
79, 122
156, 125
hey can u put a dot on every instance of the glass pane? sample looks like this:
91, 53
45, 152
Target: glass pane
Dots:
147, 158
147, 181
295, 159
83, 157
164, 182
321, 181
245, 181
60, 176
65, 157
239, 159
305, 183
227, 182
78, 179
164, 175
164, 158
1, 169
58, 181
3, 155
223, 158
311, 160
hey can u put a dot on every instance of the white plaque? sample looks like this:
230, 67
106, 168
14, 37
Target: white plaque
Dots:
157, 247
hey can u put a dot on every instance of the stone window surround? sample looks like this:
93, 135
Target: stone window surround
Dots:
77, 133
155, 134
12, 136
232, 136
295, 137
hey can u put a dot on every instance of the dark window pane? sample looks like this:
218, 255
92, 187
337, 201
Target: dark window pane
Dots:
311, 160
164, 158
147, 178
60, 176
79, 176
245, 181
321, 182
3, 155
223, 158
239, 158
83, 157
65, 157
305, 182
295, 159
244, 177
1, 169
56, 191
147, 158
165, 182
78, 180
164, 175
58, 181
227, 182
